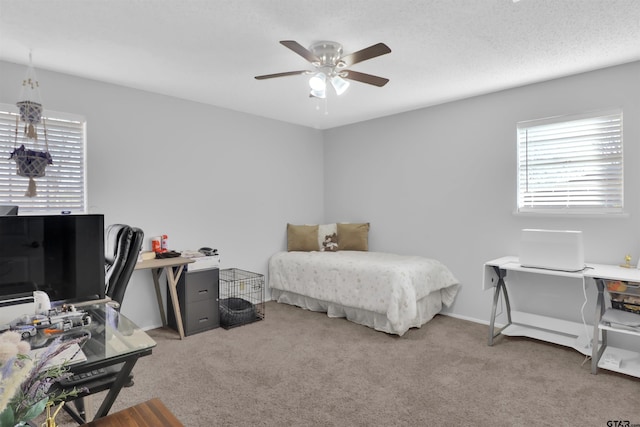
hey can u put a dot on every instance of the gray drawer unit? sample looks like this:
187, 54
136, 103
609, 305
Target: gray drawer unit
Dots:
198, 298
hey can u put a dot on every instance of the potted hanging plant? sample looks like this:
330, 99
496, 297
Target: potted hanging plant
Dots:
31, 164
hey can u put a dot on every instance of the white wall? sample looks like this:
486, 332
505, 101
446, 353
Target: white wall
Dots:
441, 181
205, 176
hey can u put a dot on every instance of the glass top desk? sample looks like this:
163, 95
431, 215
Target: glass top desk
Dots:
114, 343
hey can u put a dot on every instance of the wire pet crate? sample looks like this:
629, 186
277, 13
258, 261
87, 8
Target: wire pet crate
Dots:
241, 297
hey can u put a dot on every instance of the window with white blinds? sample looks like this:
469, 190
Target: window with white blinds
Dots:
571, 164
63, 188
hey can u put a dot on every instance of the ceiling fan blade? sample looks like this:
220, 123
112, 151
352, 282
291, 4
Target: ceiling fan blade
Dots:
288, 73
300, 50
365, 78
366, 53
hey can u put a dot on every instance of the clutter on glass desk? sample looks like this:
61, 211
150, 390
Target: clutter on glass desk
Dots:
56, 321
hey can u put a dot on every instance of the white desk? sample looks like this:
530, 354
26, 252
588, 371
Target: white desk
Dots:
558, 331
157, 266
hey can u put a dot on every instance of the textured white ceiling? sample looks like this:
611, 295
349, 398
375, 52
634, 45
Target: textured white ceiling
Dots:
210, 50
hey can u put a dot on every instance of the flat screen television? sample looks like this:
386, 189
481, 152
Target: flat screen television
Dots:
62, 255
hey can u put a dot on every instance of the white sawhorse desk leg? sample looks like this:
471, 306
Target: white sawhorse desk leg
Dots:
500, 287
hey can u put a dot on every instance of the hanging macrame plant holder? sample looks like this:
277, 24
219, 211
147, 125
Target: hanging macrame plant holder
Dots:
30, 114
31, 163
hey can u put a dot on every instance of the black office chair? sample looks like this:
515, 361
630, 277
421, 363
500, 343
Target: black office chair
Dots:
121, 249
122, 245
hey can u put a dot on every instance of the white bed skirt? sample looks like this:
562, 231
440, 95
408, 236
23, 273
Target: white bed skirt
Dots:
427, 307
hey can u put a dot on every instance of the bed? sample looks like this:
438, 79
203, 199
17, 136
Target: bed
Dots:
388, 292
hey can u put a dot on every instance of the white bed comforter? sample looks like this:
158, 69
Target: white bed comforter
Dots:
383, 283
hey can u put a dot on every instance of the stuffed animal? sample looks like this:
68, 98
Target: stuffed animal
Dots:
330, 243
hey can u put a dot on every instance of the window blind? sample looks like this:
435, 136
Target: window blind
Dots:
63, 188
571, 164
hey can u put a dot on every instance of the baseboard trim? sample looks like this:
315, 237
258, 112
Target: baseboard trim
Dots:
471, 319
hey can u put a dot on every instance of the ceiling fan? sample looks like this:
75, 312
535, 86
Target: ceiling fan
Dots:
330, 66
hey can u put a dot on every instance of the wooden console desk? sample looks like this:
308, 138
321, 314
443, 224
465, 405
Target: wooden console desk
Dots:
151, 413
157, 266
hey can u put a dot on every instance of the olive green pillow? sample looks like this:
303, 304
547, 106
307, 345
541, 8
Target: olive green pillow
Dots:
353, 237
302, 238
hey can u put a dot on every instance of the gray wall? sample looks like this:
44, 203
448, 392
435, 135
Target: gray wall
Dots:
438, 182
441, 181
204, 176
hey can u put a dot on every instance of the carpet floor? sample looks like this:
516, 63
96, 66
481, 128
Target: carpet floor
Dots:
301, 368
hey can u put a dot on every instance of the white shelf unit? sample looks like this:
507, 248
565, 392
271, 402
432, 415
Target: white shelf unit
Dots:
629, 360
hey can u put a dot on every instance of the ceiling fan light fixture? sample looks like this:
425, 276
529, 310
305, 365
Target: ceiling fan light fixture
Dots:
318, 93
339, 84
318, 82
330, 66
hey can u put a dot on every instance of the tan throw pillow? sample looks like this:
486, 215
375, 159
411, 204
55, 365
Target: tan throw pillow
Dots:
302, 238
353, 237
